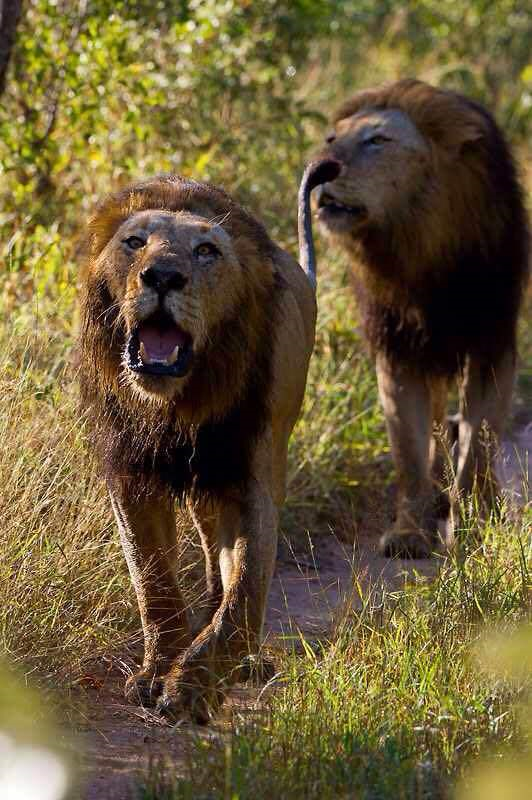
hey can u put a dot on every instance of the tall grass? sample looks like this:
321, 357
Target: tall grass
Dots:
65, 594
393, 705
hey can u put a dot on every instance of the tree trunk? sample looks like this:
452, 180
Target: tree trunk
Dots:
10, 11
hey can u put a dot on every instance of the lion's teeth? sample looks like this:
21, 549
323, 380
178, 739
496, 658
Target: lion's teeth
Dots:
172, 358
143, 354
146, 359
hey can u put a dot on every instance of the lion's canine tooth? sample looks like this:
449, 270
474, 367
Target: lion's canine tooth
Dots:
143, 354
172, 358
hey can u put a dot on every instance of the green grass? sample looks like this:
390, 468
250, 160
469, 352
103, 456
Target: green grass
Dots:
393, 705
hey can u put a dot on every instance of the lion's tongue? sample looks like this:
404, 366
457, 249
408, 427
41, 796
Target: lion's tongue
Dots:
158, 344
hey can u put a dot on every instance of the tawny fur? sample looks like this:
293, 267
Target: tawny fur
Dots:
214, 440
438, 241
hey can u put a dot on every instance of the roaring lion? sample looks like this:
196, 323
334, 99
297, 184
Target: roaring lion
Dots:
196, 333
429, 208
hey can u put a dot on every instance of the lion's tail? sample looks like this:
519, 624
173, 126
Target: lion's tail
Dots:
317, 172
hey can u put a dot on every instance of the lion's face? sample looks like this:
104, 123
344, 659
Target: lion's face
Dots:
173, 277
384, 160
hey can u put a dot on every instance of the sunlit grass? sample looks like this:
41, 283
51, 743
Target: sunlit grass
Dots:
65, 592
392, 705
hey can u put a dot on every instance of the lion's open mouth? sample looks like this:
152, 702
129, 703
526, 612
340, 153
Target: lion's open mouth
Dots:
329, 206
158, 346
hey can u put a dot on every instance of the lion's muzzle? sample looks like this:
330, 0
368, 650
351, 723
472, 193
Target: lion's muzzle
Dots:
331, 207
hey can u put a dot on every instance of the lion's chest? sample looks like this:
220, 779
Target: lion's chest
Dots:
217, 457
201, 461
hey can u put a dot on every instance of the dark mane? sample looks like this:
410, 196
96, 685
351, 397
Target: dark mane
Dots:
452, 267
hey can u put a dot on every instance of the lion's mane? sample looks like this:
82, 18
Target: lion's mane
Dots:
200, 442
449, 273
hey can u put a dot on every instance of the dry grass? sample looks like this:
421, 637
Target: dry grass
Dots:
66, 595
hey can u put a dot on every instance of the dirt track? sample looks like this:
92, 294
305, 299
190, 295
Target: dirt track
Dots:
117, 741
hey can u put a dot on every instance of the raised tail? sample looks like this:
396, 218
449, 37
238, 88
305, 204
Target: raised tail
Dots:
317, 172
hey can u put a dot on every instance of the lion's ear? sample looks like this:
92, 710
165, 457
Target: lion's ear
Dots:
464, 137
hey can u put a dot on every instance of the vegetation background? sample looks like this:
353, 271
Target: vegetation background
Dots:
238, 93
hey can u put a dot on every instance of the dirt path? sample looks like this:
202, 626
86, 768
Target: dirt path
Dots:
118, 741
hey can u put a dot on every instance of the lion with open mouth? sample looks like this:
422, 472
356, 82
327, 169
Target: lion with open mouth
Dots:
430, 212
196, 334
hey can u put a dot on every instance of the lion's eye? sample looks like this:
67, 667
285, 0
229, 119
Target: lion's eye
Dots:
330, 137
206, 250
377, 139
134, 242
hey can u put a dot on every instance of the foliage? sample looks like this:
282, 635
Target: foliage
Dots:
99, 93
232, 91
32, 764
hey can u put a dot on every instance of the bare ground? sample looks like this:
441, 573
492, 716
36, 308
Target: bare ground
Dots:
114, 742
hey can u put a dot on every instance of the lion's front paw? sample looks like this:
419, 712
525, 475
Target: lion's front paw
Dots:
184, 704
189, 694
407, 544
143, 688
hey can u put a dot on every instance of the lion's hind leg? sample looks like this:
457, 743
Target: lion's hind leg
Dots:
485, 400
408, 401
206, 521
440, 445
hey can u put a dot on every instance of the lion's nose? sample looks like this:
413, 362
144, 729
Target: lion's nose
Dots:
163, 279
